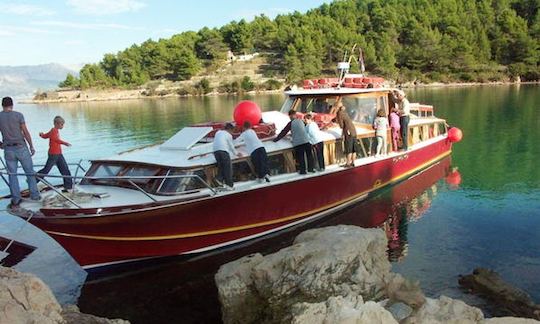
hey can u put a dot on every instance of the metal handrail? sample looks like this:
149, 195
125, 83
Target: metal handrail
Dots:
129, 179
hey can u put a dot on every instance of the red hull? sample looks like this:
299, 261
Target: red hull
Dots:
211, 222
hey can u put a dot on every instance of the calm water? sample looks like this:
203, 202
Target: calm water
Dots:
437, 231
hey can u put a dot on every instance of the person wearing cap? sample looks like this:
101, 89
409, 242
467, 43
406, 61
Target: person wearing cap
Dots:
15, 136
404, 117
224, 149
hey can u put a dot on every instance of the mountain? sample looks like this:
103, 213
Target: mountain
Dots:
24, 81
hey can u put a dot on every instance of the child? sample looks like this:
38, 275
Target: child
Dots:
55, 154
381, 126
395, 127
316, 139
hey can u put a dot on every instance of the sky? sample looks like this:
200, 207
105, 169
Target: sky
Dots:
72, 32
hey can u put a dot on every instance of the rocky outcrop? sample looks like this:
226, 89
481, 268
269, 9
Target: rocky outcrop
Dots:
350, 309
337, 274
445, 310
489, 284
322, 263
24, 298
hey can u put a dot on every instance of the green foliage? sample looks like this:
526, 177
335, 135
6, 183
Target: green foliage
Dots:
210, 45
93, 76
443, 40
246, 84
70, 82
203, 87
272, 85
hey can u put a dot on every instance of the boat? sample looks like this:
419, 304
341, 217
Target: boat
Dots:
163, 200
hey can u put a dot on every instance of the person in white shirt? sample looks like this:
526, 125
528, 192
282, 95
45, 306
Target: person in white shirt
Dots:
223, 148
380, 124
316, 139
256, 150
404, 117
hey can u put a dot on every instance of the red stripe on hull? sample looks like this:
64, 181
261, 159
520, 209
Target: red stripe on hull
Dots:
189, 226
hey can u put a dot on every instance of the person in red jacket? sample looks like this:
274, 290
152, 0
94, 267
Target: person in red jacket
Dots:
55, 153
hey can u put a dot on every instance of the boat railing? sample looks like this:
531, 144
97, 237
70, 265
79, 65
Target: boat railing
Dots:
129, 179
421, 110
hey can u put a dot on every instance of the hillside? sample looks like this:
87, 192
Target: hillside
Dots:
24, 81
419, 41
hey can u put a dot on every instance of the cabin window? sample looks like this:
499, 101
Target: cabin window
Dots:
276, 164
102, 170
287, 105
383, 104
138, 171
361, 109
317, 104
172, 185
107, 170
242, 171
442, 128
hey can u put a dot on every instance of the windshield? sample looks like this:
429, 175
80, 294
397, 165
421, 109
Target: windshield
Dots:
305, 104
361, 108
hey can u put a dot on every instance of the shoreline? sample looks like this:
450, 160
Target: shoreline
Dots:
92, 95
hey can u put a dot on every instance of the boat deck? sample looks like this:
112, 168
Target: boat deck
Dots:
100, 196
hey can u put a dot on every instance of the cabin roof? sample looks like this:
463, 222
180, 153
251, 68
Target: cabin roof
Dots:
201, 154
334, 91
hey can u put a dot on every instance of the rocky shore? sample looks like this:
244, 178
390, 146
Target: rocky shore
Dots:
336, 274
24, 298
65, 96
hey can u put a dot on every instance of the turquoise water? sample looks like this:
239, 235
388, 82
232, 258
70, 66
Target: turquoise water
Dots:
491, 219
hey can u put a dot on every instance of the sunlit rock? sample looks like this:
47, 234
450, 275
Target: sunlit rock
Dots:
322, 263
337, 274
24, 298
350, 309
509, 320
240, 302
446, 310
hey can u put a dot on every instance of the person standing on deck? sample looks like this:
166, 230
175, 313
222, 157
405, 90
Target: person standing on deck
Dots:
380, 124
15, 136
300, 142
55, 156
316, 139
404, 112
257, 152
223, 147
348, 134
395, 127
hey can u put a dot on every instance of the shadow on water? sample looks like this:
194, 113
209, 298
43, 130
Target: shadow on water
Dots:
182, 289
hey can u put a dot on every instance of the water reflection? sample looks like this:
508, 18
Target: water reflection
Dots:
501, 131
184, 288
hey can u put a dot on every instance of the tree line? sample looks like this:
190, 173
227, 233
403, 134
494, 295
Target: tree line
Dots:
404, 40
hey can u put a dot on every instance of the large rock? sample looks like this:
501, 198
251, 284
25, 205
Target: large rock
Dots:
72, 315
509, 320
240, 302
489, 283
446, 310
345, 310
322, 263
24, 298
330, 275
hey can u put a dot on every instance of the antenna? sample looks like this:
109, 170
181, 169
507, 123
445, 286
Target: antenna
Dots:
345, 65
